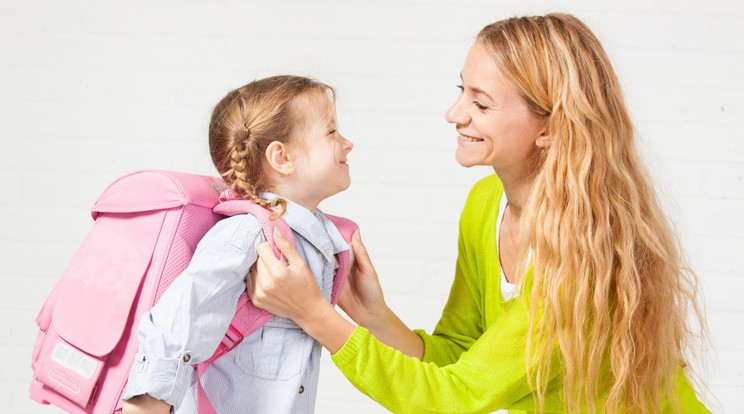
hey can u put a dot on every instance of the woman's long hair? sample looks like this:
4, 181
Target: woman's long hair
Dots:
611, 289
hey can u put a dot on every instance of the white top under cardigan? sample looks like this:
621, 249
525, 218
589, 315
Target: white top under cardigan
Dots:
508, 290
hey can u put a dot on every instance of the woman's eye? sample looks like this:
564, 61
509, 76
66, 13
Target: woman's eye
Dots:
460, 88
480, 106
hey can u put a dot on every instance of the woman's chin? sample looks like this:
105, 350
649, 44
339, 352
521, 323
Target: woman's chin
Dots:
465, 161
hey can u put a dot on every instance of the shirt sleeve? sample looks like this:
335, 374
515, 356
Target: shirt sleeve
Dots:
190, 319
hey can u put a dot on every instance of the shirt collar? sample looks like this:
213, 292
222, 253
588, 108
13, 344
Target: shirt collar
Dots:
315, 228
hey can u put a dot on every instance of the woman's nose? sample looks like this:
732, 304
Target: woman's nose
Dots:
456, 114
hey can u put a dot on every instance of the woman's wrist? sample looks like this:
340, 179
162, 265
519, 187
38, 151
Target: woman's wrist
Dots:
327, 326
379, 319
390, 330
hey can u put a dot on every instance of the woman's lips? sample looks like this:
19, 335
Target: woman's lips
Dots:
468, 138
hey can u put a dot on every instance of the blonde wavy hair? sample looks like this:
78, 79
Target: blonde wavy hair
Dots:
247, 120
611, 290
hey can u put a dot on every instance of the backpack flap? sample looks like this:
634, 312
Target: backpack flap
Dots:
148, 190
94, 300
101, 282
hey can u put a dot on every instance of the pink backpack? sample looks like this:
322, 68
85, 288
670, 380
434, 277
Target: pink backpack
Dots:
147, 226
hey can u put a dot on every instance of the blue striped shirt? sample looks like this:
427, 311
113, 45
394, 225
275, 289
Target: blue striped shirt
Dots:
273, 370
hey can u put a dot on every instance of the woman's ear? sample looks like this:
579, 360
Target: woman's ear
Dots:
279, 158
544, 139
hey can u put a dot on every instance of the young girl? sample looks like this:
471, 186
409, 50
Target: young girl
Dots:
570, 293
274, 141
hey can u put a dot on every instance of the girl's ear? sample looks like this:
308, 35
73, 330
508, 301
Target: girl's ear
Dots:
279, 158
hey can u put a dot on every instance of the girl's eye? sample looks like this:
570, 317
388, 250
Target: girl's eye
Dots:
480, 106
460, 88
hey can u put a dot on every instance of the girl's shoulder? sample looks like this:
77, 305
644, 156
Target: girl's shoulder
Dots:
242, 231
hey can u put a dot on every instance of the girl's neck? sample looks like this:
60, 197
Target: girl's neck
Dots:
287, 190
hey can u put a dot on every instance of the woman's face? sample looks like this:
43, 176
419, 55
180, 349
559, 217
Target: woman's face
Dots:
495, 126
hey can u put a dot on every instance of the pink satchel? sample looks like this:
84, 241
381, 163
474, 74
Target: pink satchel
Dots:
147, 225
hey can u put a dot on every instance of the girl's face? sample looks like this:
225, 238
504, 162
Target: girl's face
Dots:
496, 127
320, 150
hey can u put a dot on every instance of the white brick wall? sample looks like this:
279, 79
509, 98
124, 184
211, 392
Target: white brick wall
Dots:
92, 89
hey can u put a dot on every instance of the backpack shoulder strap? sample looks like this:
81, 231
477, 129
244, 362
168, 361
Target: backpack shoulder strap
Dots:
231, 205
248, 318
346, 258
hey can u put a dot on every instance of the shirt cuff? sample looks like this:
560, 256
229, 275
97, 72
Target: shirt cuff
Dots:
166, 379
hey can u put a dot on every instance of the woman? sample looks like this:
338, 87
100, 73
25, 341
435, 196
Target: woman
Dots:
570, 291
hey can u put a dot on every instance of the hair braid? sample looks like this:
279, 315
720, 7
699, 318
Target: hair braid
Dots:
238, 177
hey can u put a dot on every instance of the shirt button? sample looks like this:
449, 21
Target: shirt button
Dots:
186, 357
302, 389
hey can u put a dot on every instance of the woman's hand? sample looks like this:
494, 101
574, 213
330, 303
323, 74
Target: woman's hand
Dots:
363, 301
145, 404
289, 289
285, 289
362, 298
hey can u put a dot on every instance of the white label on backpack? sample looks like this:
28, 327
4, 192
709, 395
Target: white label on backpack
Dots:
74, 360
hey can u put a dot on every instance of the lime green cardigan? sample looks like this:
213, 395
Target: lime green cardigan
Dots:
474, 362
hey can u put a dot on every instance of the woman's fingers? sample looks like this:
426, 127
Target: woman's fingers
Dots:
266, 254
279, 286
361, 257
288, 251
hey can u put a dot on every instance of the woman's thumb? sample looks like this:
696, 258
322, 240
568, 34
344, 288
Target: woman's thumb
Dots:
286, 248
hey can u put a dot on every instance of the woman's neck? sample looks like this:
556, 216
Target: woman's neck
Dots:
517, 189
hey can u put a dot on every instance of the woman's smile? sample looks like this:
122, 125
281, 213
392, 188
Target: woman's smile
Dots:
462, 138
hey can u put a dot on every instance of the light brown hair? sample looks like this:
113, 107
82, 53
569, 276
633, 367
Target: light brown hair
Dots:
247, 120
611, 288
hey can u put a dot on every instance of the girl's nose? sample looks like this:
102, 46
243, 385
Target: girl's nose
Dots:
346, 144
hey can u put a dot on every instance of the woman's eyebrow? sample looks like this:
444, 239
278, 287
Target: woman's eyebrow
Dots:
477, 91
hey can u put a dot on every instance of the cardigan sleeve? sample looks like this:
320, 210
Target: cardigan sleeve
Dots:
460, 324
490, 375
466, 368
462, 321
